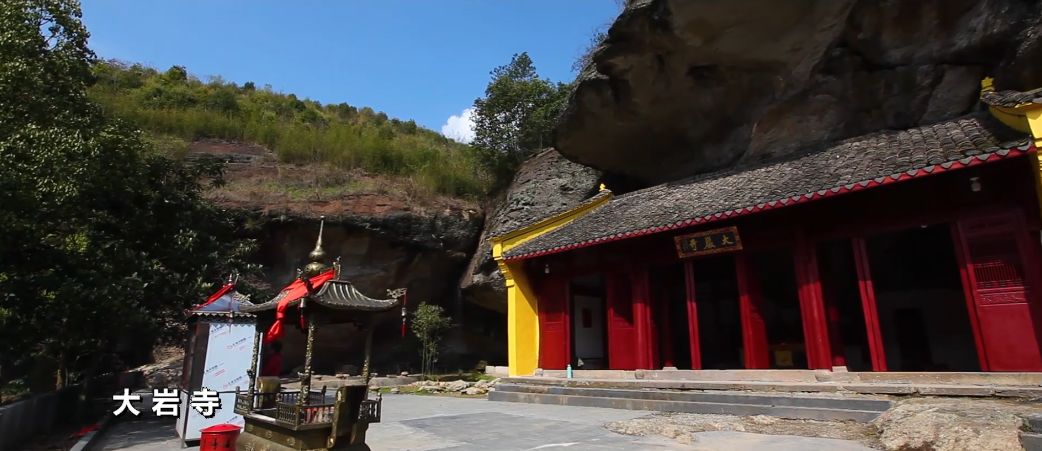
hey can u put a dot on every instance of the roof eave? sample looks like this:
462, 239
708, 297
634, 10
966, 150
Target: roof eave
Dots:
789, 201
501, 244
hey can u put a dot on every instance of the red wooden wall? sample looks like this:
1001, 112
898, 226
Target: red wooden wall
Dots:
622, 328
999, 291
999, 263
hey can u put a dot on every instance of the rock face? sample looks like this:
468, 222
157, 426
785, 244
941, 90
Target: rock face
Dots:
687, 86
544, 185
386, 238
423, 253
949, 425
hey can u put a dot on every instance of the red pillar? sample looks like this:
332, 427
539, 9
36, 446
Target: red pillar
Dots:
812, 308
834, 317
622, 330
642, 316
754, 330
665, 330
692, 315
835, 333
868, 306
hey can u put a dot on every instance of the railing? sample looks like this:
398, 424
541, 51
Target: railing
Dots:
288, 414
242, 403
282, 406
260, 401
294, 415
369, 411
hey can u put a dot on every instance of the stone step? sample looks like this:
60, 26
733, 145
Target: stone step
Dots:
1033, 423
803, 413
1031, 442
991, 379
793, 387
762, 399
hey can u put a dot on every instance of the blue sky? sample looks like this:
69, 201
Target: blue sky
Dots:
422, 60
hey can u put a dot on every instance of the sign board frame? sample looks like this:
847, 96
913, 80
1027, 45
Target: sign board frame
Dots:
684, 248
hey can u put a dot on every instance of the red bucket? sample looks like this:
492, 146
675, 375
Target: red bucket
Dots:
219, 437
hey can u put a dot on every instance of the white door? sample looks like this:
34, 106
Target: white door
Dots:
588, 324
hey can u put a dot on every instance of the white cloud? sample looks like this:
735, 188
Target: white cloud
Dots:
460, 127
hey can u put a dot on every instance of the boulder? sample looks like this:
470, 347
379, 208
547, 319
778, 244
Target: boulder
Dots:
475, 391
951, 424
681, 87
456, 386
545, 184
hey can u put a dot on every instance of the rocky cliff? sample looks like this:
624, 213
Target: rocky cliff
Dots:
544, 185
687, 86
386, 237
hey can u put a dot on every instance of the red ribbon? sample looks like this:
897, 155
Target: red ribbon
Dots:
291, 293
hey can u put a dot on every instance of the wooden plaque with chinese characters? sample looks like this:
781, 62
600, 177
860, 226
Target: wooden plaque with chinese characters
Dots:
709, 242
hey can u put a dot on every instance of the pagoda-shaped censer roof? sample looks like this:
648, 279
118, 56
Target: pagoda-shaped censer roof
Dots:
335, 294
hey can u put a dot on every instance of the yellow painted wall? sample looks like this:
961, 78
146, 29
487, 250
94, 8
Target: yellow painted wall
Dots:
522, 322
522, 302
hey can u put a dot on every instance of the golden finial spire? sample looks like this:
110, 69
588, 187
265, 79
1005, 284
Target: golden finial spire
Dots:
987, 84
317, 255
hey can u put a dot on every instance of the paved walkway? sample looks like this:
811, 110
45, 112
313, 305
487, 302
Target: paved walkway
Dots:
418, 423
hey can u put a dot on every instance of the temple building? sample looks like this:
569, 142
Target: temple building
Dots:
910, 250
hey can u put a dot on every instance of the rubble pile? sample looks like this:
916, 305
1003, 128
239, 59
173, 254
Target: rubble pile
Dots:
461, 387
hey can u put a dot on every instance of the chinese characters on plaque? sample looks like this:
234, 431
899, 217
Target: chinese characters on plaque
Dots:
709, 242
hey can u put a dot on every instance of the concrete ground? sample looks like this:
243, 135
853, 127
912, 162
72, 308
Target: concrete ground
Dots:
417, 423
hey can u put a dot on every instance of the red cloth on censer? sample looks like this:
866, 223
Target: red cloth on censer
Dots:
291, 293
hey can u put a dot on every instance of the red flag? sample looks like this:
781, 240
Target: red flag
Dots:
293, 292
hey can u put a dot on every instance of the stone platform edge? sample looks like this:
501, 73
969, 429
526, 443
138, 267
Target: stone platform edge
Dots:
924, 389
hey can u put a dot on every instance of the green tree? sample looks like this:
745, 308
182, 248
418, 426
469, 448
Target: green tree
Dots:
517, 115
102, 241
429, 323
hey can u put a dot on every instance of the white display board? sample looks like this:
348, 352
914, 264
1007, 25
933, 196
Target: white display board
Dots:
228, 353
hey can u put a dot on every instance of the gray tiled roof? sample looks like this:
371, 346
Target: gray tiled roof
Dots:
858, 162
592, 199
336, 294
1010, 99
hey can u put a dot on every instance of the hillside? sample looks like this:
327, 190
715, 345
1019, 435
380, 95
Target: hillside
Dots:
179, 110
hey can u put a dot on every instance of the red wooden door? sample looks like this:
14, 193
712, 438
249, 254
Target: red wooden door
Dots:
622, 330
1000, 292
554, 343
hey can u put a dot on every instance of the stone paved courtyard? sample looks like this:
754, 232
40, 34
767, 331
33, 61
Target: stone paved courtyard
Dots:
441, 423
